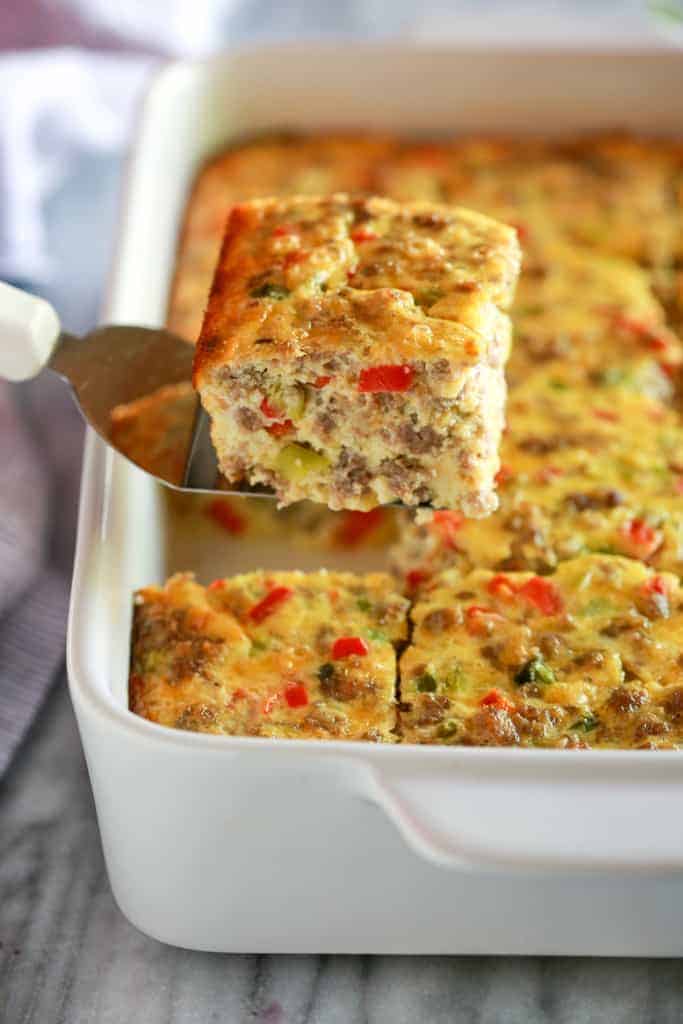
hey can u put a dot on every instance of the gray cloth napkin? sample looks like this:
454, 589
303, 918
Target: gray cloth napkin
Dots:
40, 452
65, 116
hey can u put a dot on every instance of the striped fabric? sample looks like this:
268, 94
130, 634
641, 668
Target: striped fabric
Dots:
40, 446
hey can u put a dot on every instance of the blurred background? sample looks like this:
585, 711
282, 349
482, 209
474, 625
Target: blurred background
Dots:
72, 73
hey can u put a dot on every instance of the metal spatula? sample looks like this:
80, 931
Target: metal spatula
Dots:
111, 366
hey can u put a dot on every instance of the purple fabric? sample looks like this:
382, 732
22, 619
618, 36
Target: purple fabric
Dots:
42, 23
40, 454
23, 504
70, 85
41, 432
31, 653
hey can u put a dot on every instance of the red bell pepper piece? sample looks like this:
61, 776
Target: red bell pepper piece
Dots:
415, 577
356, 525
543, 594
522, 231
273, 599
268, 410
646, 332
386, 378
639, 538
607, 415
222, 512
296, 695
448, 523
292, 258
504, 474
501, 586
345, 646
363, 235
655, 586
480, 619
279, 429
320, 382
495, 699
657, 343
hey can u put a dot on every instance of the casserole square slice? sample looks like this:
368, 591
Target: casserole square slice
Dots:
584, 468
589, 656
283, 654
353, 351
585, 318
154, 432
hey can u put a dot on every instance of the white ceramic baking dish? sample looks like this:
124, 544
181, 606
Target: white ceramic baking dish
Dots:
254, 845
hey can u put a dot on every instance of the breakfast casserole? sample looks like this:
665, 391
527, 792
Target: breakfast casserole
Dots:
155, 431
588, 654
583, 318
615, 196
288, 654
591, 477
594, 469
353, 351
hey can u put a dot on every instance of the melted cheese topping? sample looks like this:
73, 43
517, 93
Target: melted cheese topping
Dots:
257, 655
580, 472
589, 655
620, 197
584, 318
386, 281
601, 225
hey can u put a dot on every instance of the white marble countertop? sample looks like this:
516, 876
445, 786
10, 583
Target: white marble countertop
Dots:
68, 956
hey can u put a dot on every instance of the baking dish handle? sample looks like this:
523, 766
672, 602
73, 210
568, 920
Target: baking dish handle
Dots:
555, 817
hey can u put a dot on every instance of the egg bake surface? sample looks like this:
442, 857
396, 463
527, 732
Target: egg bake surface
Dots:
591, 459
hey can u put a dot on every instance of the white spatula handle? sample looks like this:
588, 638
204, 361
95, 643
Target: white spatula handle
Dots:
29, 330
